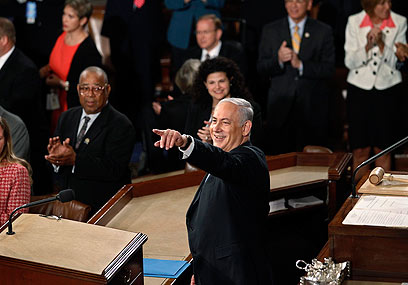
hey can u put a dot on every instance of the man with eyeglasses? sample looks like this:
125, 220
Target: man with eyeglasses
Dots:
93, 143
297, 54
208, 35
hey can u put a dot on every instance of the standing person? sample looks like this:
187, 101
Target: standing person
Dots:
15, 181
93, 143
226, 219
218, 78
182, 23
134, 31
73, 51
402, 54
297, 53
373, 80
208, 35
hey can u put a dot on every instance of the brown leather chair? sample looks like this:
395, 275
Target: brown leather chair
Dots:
316, 149
73, 210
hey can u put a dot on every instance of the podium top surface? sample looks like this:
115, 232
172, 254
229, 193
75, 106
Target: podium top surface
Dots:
64, 243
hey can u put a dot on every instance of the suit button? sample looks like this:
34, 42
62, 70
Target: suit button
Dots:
392, 72
385, 60
375, 54
356, 71
364, 63
374, 73
375, 63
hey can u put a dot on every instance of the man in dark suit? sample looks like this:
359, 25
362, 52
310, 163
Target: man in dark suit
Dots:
208, 36
20, 86
93, 143
297, 53
226, 219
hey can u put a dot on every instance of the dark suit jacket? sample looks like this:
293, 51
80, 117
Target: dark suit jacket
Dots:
85, 56
229, 49
20, 89
198, 113
226, 219
101, 166
308, 91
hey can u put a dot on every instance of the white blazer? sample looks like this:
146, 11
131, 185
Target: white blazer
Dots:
373, 68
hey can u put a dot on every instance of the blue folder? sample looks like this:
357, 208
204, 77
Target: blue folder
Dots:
163, 268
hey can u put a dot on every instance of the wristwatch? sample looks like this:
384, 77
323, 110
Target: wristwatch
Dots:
189, 141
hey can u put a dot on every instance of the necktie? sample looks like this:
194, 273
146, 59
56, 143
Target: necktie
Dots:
296, 40
82, 132
138, 3
207, 56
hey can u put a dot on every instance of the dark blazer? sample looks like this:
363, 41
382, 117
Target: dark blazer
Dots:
287, 88
198, 113
85, 56
20, 89
101, 166
229, 49
226, 219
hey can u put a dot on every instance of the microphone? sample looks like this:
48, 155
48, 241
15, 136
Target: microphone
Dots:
63, 196
371, 159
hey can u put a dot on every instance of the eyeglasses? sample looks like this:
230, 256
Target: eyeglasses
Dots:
96, 90
204, 32
296, 1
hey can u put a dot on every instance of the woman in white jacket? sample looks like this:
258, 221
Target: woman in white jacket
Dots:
373, 80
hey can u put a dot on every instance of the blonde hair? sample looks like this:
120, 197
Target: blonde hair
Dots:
7, 154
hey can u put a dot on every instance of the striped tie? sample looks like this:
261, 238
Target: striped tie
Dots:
296, 40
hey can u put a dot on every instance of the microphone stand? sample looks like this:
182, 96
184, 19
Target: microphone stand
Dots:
35, 203
370, 160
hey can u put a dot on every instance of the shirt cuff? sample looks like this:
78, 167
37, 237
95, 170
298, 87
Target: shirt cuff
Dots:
187, 152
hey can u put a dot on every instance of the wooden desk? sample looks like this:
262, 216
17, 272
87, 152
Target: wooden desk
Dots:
157, 207
375, 253
50, 251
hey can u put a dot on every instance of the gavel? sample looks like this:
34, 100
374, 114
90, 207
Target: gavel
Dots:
378, 174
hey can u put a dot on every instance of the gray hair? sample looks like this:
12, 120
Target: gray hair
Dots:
186, 74
97, 70
7, 29
245, 111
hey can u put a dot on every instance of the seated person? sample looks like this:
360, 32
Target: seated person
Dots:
15, 176
19, 134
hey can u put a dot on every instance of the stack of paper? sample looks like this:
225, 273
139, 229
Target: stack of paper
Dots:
277, 205
385, 211
304, 201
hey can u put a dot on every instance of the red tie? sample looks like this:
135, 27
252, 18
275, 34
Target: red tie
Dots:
138, 3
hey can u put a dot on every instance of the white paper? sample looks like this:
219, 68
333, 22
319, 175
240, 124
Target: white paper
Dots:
385, 211
277, 205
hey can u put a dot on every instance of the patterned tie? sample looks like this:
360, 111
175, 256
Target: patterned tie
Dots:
138, 3
296, 40
82, 132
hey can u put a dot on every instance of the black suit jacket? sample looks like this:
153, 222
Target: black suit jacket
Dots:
101, 166
287, 87
229, 49
226, 219
20, 89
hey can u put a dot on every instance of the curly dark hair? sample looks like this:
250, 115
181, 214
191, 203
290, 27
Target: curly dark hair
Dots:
219, 64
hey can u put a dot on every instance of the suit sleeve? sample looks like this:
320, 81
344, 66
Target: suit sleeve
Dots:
112, 162
324, 65
268, 64
355, 53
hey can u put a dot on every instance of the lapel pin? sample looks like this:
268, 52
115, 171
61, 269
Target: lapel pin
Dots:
307, 35
87, 140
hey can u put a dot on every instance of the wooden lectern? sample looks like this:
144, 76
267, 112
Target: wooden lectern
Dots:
44, 250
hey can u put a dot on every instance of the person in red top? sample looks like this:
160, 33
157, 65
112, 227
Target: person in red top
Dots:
73, 51
15, 176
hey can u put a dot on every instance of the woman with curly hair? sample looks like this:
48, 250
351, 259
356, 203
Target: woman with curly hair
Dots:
15, 176
218, 78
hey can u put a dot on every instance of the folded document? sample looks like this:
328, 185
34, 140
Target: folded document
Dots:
163, 268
